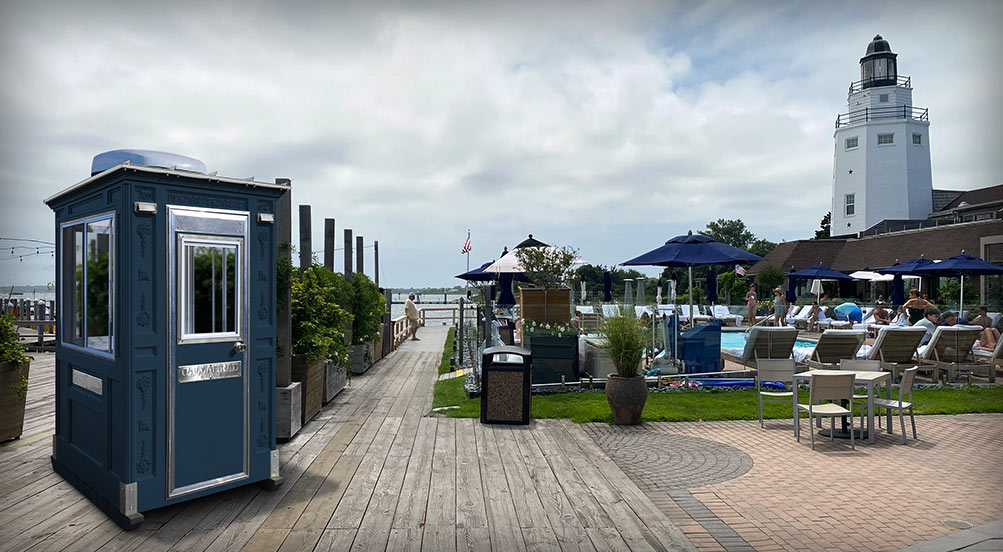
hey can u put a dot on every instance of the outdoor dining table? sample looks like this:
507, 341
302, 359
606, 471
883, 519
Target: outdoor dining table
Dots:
860, 378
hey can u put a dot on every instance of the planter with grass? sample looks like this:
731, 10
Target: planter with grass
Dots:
626, 390
14, 366
555, 351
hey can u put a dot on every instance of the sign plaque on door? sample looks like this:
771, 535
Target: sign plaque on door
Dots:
208, 371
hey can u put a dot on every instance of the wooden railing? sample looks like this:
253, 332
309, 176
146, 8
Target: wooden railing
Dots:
39, 315
442, 314
398, 332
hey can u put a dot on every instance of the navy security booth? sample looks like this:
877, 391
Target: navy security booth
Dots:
165, 357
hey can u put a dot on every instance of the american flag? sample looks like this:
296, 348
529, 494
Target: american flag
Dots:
466, 245
739, 270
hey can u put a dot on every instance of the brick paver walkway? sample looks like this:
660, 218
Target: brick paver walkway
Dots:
880, 497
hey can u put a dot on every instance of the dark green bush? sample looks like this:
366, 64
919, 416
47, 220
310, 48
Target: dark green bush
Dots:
368, 306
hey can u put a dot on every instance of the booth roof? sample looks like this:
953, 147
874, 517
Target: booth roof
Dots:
250, 182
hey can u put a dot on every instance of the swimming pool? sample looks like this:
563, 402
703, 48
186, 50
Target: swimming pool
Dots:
736, 340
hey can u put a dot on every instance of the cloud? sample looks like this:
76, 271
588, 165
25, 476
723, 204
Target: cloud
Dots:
606, 126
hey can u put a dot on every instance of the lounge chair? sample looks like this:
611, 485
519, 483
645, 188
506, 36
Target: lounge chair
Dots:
695, 316
895, 347
793, 312
834, 346
611, 310
800, 320
721, 313
990, 360
867, 321
949, 348
763, 342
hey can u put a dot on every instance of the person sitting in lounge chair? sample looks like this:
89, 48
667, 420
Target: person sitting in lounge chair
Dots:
990, 336
931, 315
881, 315
813, 315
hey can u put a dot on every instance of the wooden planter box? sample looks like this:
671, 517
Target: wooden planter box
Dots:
311, 377
362, 358
335, 379
11, 408
545, 306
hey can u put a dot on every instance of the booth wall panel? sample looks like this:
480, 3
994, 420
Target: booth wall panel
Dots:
85, 433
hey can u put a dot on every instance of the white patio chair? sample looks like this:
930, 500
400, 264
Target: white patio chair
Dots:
781, 370
905, 389
864, 366
827, 387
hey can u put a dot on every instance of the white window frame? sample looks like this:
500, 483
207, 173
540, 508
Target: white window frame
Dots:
856, 143
892, 138
849, 201
64, 314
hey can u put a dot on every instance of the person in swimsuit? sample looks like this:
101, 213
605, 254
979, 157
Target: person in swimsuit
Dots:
880, 314
915, 305
752, 304
779, 306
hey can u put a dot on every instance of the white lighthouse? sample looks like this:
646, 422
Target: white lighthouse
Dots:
881, 168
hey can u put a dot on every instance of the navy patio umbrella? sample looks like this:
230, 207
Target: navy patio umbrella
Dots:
791, 296
693, 250
607, 286
819, 272
961, 265
912, 266
711, 287
898, 290
478, 274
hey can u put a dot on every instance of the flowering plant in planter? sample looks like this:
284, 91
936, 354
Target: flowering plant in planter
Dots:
532, 328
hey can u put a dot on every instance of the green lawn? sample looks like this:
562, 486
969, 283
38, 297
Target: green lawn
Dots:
447, 352
694, 405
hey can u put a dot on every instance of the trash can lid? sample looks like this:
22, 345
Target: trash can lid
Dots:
507, 349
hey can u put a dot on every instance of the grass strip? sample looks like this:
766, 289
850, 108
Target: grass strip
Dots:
707, 405
447, 351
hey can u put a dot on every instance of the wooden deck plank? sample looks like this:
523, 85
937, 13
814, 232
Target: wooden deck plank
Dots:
310, 526
470, 509
504, 524
414, 494
439, 538
540, 539
441, 489
405, 539
349, 513
606, 539
588, 509
473, 539
528, 508
335, 540
42, 526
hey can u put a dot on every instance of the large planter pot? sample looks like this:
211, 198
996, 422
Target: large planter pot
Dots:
554, 358
11, 407
626, 398
545, 306
335, 379
311, 377
361, 358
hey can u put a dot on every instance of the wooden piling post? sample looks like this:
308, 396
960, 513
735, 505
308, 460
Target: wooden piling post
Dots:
348, 254
376, 264
329, 243
306, 245
359, 257
284, 327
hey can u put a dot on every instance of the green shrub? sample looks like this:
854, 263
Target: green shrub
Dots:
626, 337
368, 306
13, 352
318, 320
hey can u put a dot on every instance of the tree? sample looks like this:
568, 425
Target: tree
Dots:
731, 232
732, 285
761, 247
824, 227
769, 277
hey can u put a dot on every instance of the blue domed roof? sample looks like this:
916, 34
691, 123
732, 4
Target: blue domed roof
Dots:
148, 158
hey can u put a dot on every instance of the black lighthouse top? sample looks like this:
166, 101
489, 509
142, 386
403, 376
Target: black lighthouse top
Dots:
878, 66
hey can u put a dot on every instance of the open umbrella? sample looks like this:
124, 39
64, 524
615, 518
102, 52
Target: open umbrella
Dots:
694, 250
478, 274
961, 265
819, 272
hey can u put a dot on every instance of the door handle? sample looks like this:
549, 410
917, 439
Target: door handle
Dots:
239, 347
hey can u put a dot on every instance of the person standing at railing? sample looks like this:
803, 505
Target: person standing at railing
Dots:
412, 316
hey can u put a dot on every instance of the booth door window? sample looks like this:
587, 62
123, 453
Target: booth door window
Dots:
87, 280
208, 384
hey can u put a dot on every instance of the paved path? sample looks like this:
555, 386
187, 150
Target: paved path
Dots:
370, 472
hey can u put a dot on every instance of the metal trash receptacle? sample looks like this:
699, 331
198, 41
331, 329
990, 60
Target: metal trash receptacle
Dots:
506, 379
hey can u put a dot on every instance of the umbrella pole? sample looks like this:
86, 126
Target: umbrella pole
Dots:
961, 301
692, 322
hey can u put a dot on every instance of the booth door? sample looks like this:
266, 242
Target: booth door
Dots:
208, 385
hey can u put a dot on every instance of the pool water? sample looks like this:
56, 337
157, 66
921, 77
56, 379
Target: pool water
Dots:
736, 340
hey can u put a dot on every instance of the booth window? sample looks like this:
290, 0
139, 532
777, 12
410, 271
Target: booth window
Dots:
88, 261
210, 288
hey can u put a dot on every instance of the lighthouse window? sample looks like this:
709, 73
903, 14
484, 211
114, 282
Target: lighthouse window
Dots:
851, 143
885, 139
88, 282
917, 139
883, 98
850, 204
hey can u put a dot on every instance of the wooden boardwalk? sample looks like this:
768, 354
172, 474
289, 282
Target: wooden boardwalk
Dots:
370, 472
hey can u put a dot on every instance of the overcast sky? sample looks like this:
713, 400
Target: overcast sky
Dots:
609, 127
